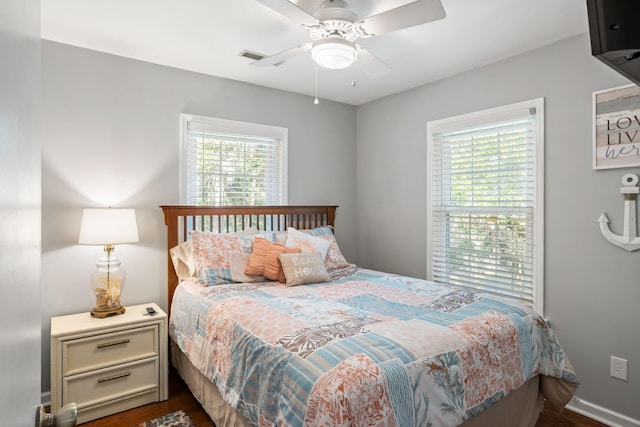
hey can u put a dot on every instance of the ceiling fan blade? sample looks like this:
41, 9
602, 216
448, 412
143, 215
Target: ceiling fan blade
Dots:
281, 57
411, 14
291, 11
370, 64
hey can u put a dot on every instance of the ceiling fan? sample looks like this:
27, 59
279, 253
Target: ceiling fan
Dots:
334, 29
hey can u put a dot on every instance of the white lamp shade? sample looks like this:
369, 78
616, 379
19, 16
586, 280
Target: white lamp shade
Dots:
333, 53
108, 226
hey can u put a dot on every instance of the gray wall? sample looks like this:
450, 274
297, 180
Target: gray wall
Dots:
19, 211
111, 136
592, 288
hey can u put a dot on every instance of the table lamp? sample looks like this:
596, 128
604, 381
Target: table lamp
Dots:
108, 227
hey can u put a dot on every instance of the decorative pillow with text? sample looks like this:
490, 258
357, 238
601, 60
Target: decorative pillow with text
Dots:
304, 268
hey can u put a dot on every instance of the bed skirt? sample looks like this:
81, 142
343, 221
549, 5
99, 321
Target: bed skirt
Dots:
521, 408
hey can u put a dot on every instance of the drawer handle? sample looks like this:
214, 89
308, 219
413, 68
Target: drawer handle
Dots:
111, 344
114, 377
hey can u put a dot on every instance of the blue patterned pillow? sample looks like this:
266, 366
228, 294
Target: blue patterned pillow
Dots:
320, 231
212, 254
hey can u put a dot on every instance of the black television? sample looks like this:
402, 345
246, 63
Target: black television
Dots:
614, 28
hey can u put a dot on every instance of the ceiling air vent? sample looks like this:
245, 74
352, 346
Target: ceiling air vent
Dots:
252, 55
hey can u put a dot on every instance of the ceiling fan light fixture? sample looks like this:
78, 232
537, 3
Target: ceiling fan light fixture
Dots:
334, 53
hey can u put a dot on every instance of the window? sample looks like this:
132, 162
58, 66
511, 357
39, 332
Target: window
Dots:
232, 163
485, 197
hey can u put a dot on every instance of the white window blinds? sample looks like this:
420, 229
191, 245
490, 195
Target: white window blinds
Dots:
228, 165
484, 203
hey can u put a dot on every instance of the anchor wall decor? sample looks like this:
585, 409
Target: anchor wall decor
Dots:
629, 239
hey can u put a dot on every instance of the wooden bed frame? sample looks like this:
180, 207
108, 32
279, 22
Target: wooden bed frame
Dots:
520, 408
229, 219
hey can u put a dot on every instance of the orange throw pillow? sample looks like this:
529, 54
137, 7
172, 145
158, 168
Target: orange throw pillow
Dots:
255, 266
264, 259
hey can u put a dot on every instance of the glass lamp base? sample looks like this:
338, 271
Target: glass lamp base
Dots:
107, 282
104, 312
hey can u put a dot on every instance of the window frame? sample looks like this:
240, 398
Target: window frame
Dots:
235, 128
483, 118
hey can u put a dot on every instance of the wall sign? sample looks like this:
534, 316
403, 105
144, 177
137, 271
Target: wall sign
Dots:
616, 130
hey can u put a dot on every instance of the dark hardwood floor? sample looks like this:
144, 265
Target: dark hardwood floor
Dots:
181, 398
550, 418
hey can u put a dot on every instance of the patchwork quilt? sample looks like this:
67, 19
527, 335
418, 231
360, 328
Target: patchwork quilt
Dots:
371, 349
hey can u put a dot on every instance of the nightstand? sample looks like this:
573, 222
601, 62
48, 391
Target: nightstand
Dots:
109, 365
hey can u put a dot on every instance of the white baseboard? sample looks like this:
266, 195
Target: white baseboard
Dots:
603, 415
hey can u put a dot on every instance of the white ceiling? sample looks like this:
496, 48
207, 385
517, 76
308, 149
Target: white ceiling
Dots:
207, 36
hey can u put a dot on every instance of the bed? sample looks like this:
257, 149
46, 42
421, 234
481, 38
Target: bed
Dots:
334, 344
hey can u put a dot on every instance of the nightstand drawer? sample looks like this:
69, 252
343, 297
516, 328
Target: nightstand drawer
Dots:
96, 387
86, 354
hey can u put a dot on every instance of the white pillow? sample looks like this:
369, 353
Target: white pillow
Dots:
248, 231
307, 242
239, 262
183, 261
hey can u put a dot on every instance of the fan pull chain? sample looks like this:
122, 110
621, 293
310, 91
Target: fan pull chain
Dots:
315, 101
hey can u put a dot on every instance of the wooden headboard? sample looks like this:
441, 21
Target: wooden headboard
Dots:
228, 219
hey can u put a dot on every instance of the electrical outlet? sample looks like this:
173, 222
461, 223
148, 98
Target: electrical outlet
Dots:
619, 368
